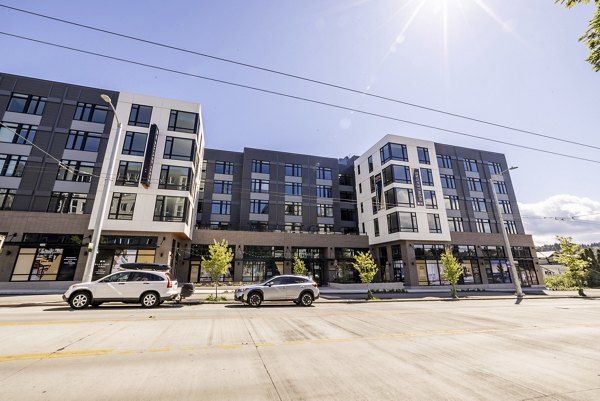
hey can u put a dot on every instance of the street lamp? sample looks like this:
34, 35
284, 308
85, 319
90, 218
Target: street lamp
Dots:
511, 261
93, 246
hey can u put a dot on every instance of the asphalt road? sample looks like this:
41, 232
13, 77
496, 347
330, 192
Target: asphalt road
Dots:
542, 349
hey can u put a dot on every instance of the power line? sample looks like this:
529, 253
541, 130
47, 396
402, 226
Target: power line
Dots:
332, 105
298, 77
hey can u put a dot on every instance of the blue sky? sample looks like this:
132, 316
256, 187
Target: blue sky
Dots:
512, 62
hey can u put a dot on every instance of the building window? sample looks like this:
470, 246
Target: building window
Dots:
451, 202
293, 170
260, 186
140, 115
376, 227
495, 168
427, 177
293, 188
323, 191
324, 173
444, 161
293, 209
22, 134
510, 226
448, 181
375, 204
260, 166
175, 177
293, 227
170, 208
370, 163
74, 170
121, 207
258, 206
93, 113
402, 222
396, 173
346, 179
423, 155
435, 225
179, 149
325, 228
134, 144
347, 215
224, 168
129, 173
500, 187
393, 151
505, 206
479, 205
402, 197
470, 165
222, 187
324, 210
455, 224
81, 140
7, 196
220, 207
182, 121
430, 200
66, 202
12, 165
483, 225
219, 225
29, 104
346, 196
474, 184
358, 169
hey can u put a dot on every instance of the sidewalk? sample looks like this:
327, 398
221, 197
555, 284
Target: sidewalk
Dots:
16, 300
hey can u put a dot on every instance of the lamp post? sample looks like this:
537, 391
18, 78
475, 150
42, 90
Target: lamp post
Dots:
93, 246
511, 261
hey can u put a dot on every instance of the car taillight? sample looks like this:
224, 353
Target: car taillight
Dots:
169, 283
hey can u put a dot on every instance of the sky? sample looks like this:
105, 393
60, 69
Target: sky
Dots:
509, 62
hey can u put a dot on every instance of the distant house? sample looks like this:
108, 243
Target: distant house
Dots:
548, 265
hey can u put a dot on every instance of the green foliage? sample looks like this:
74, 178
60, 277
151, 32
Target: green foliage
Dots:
218, 261
559, 282
593, 274
214, 298
592, 36
452, 270
571, 256
299, 267
366, 268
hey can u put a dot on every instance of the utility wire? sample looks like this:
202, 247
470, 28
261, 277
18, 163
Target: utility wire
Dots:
336, 106
298, 77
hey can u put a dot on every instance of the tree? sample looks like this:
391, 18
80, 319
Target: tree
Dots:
299, 266
571, 256
593, 274
218, 261
367, 269
592, 36
452, 270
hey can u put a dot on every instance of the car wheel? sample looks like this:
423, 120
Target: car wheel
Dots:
80, 300
96, 304
255, 299
150, 299
306, 299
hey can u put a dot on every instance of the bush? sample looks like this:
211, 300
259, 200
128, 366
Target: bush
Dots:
212, 298
560, 282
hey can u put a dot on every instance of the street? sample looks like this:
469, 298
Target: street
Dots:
543, 349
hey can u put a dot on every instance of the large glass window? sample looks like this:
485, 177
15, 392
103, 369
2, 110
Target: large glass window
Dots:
423, 155
444, 161
81, 140
66, 202
448, 181
399, 197
324, 173
402, 222
323, 191
393, 151
258, 206
455, 224
220, 207
222, 187
175, 177
505, 206
370, 163
479, 204
170, 208
179, 149
293, 208
495, 168
12, 165
29, 104
140, 115
224, 167
427, 177
134, 143
260, 166
260, 186
183, 121
346, 179
293, 170
500, 187
122, 206
46, 263
510, 226
293, 188
430, 199
74, 170
91, 112
470, 165
451, 202
324, 210
129, 173
474, 184
7, 196
435, 226
483, 225
396, 173
376, 227
22, 134
497, 271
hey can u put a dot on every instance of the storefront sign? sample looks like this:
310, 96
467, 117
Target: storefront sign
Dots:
418, 187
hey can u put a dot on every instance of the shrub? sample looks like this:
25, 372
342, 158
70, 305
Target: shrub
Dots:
560, 282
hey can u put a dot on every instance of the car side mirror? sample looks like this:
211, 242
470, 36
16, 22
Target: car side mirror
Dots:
270, 284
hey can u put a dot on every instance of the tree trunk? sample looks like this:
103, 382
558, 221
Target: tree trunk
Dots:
216, 286
453, 292
581, 293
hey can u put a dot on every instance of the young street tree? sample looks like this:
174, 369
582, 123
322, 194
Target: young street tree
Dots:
299, 267
452, 270
218, 261
571, 256
367, 268
592, 36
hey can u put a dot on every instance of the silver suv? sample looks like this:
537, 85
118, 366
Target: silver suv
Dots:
300, 289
